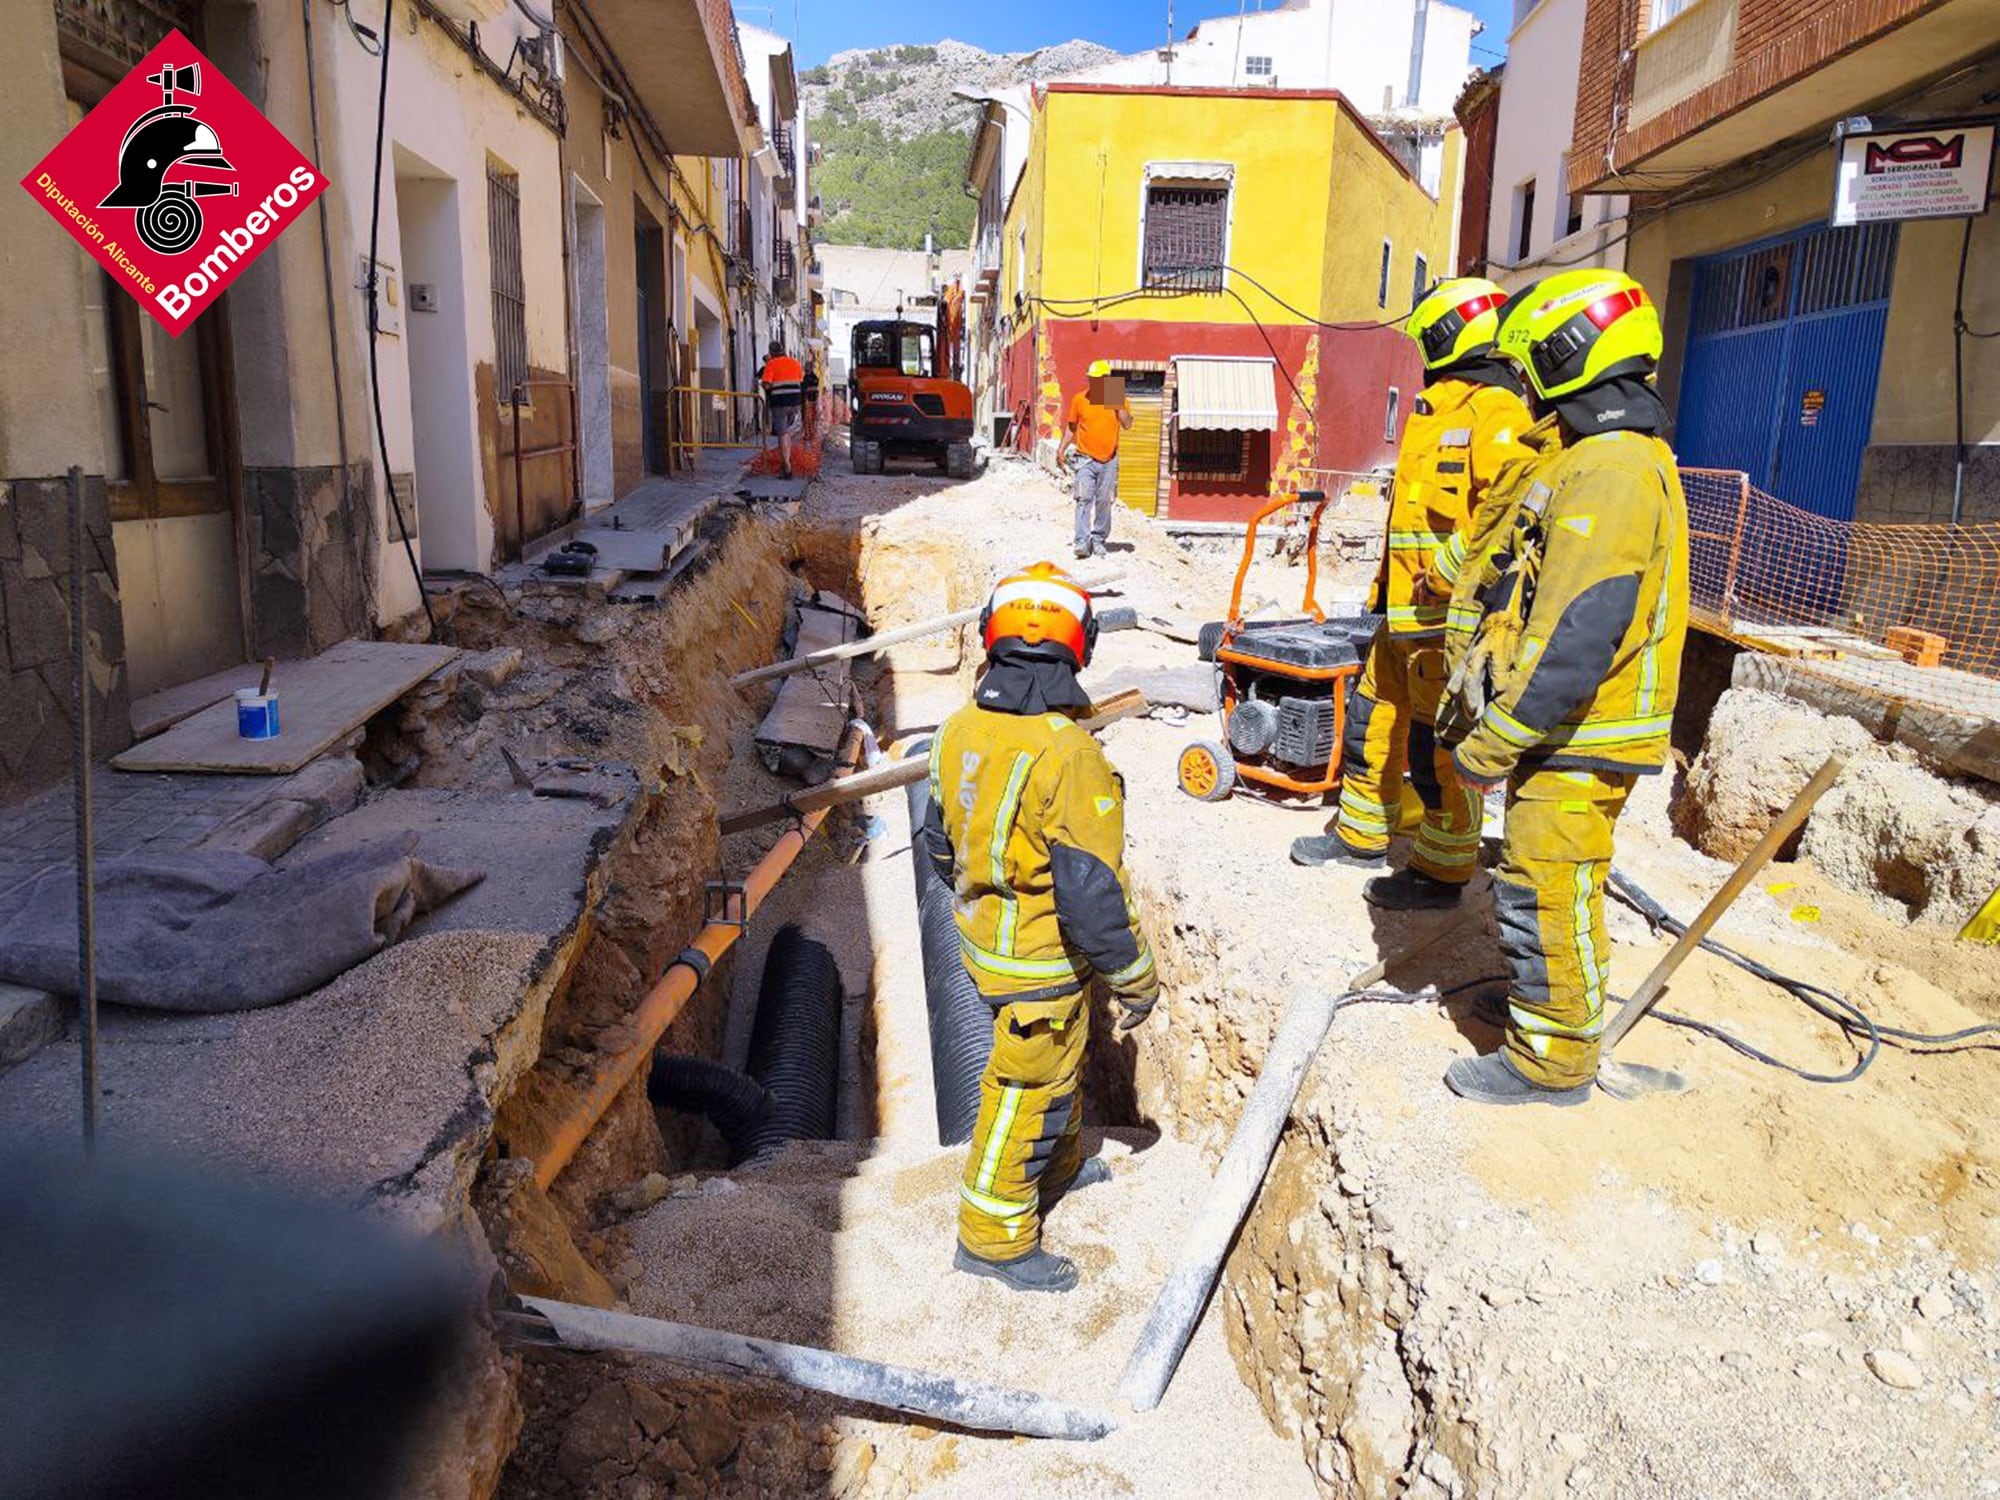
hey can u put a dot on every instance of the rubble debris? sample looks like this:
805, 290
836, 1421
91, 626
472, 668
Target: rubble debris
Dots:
1760, 750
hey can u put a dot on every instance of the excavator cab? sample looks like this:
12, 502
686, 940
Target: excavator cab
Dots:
902, 407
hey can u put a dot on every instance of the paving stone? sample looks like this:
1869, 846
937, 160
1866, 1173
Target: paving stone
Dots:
29, 1020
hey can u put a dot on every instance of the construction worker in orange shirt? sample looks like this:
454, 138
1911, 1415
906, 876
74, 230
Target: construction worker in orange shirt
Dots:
784, 381
1027, 824
1463, 429
1092, 429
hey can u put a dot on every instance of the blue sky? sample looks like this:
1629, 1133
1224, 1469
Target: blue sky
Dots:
824, 27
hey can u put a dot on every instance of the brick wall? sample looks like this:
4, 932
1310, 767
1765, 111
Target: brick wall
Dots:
1777, 42
1478, 111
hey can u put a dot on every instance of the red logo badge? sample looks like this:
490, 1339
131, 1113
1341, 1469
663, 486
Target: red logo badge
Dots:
175, 183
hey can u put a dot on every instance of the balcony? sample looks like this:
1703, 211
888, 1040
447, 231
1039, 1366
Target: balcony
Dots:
786, 182
816, 273
785, 274
1701, 100
815, 214
682, 58
986, 256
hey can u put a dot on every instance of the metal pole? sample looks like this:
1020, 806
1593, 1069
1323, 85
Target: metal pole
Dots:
86, 907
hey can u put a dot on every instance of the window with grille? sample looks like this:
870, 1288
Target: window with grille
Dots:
1382, 281
1524, 220
1572, 203
1187, 234
1257, 67
1206, 454
1420, 281
1389, 415
510, 296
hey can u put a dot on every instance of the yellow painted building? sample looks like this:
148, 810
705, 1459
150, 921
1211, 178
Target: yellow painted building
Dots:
1200, 240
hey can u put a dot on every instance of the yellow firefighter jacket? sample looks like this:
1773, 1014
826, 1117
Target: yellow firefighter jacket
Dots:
1027, 822
1459, 435
1581, 599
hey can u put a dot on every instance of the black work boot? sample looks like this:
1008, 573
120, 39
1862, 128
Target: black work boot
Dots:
1037, 1271
1332, 849
1411, 890
1095, 1169
1493, 1080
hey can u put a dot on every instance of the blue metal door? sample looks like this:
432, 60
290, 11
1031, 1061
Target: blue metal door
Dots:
1783, 355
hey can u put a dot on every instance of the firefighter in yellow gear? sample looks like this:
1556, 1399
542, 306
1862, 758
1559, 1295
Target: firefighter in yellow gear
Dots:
1463, 432
1027, 823
1567, 629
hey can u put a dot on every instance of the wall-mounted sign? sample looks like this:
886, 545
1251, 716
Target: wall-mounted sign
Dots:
1810, 406
1939, 171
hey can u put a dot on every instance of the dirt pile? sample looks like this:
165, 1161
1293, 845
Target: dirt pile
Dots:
1929, 846
1759, 751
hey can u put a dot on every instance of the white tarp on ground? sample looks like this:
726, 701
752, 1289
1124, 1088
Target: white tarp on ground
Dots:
1229, 395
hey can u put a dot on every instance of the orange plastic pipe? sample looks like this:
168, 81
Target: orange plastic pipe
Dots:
665, 1001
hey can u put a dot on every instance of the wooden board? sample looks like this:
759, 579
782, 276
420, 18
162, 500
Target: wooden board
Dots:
812, 708
319, 702
162, 710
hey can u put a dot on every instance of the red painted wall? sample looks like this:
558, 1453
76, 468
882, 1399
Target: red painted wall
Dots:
1356, 370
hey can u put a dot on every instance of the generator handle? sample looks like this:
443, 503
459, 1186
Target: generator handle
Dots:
1312, 553
1250, 551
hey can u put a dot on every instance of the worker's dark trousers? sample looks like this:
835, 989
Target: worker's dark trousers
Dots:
1548, 894
1026, 1147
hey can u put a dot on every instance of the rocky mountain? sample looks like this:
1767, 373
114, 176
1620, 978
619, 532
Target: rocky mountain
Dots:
894, 138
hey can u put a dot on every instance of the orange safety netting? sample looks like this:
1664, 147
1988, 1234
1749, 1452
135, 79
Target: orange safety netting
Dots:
806, 454
1910, 613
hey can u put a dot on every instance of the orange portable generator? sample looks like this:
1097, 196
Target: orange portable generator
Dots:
1285, 685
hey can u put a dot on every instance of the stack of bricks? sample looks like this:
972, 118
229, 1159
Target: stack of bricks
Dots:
1920, 648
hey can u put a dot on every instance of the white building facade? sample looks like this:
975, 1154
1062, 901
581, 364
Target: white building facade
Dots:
1535, 226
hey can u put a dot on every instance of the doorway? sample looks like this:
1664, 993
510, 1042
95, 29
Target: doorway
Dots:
1784, 353
649, 250
444, 438
593, 348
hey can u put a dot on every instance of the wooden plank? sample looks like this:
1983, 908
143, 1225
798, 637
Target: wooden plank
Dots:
162, 710
895, 773
319, 703
812, 710
887, 638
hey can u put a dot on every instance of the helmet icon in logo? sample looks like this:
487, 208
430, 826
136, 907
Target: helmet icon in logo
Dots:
169, 219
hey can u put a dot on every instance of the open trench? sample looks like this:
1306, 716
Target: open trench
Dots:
1345, 1353
653, 687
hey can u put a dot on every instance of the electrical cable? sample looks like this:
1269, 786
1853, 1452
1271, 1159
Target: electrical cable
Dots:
374, 337
1868, 1033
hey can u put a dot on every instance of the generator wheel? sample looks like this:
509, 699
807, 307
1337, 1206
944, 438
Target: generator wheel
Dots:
866, 456
1206, 771
1208, 640
958, 460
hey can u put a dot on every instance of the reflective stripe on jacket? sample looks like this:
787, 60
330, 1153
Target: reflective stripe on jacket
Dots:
1592, 680
1027, 822
1459, 436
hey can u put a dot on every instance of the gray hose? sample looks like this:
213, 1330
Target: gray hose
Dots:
961, 1020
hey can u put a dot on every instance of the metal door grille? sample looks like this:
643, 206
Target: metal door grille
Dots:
1186, 229
1822, 271
510, 297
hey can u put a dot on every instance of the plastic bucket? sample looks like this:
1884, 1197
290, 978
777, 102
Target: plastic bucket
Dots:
256, 715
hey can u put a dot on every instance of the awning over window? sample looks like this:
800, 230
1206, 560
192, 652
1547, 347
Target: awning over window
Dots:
1190, 171
1229, 395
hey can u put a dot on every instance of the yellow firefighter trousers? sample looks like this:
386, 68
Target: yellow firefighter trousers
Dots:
1549, 896
1389, 736
1026, 1147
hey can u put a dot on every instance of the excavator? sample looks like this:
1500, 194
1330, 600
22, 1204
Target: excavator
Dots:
900, 405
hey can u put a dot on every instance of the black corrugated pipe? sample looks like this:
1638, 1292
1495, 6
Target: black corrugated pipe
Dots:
961, 1020
795, 1041
735, 1103
789, 1092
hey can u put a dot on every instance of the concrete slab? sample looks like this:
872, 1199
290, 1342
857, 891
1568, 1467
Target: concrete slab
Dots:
632, 551
1965, 740
380, 1088
29, 1021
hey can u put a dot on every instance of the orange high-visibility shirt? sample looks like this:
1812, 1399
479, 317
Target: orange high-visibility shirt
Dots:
1096, 427
784, 380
